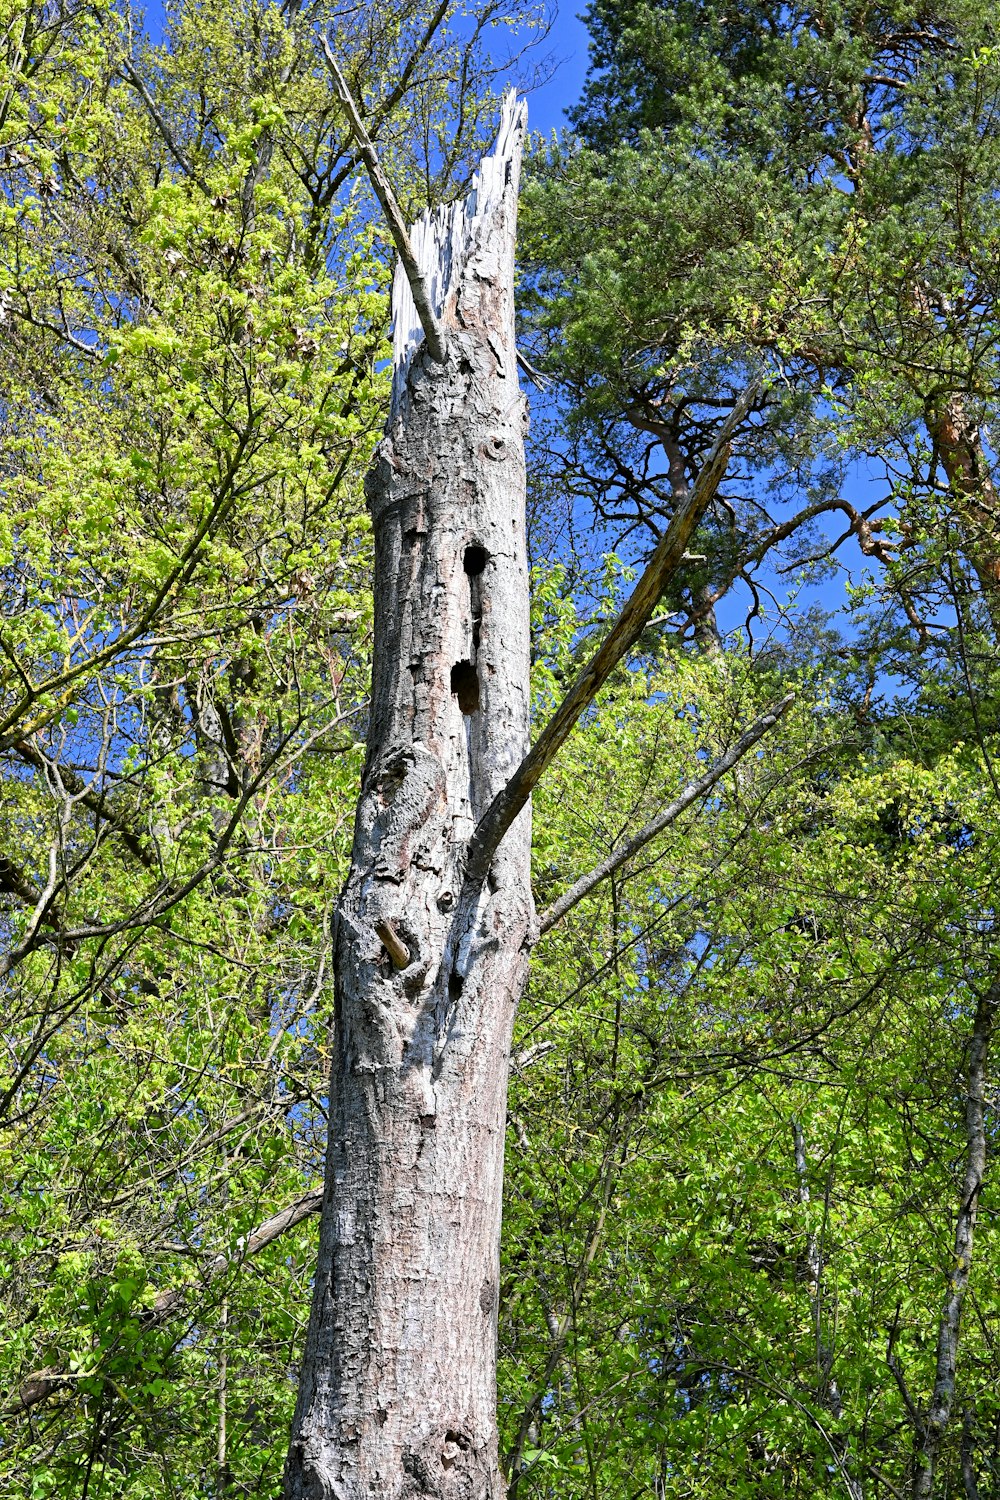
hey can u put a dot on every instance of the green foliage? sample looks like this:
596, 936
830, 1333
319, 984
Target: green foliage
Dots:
739, 1105
738, 1088
688, 1311
808, 193
194, 297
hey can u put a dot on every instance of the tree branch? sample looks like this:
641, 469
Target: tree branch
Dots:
664, 818
171, 1300
388, 104
44, 1383
186, 563
429, 322
97, 802
624, 633
166, 133
559, 1331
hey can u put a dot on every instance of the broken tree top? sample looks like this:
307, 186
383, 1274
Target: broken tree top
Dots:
443, 237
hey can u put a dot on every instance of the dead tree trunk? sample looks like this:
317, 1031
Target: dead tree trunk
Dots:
397, 1391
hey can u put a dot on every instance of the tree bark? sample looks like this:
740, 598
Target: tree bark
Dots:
398, 1383
963, 458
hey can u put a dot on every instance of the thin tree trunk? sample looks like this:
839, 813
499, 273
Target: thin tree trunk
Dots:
222, 1475
398, 1382
939, 1409
827, 1388
969, 1481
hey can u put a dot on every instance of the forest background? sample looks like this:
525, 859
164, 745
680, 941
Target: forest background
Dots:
749, 1225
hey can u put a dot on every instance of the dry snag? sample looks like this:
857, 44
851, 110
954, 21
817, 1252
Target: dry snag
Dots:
398, 1387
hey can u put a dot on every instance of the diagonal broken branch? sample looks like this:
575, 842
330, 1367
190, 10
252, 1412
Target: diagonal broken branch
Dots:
42, 1384
666, 816
429, 321
626, 630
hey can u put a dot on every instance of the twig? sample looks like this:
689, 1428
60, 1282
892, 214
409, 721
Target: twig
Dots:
393, 944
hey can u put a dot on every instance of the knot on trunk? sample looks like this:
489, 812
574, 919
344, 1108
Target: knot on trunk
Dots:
450, 1465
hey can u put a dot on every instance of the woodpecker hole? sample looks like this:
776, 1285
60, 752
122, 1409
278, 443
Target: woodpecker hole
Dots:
474, 562
465, 686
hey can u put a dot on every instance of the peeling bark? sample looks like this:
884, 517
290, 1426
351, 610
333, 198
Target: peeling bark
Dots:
977, 507
398, 1385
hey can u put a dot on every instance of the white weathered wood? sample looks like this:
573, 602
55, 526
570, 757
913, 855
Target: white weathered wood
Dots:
443, 238
398, 1385
419, 299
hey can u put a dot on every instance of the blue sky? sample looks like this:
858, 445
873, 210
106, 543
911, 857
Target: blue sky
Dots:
567, 45
563, 56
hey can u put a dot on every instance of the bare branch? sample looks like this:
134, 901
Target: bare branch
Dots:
886, 1484
668, 815
540, 381
166, 133
97, 802
433, 332
896, 1370
393, 944
42, 905
626, 630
